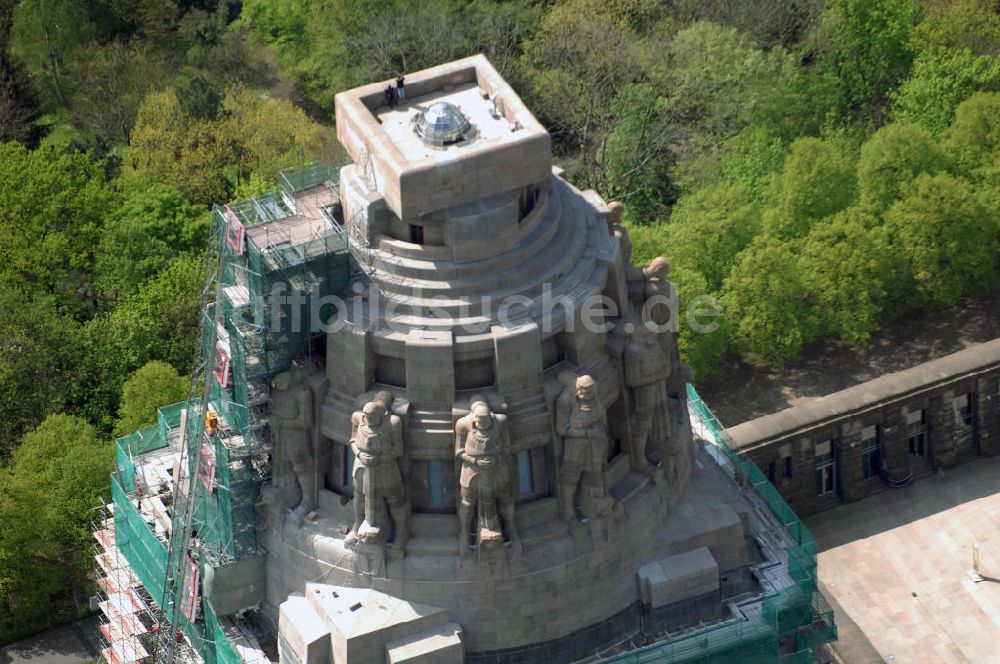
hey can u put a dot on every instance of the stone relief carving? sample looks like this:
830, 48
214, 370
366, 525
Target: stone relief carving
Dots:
618, 230
486, 489
378, 446
291, 421
645, 283
646, 372
582, 423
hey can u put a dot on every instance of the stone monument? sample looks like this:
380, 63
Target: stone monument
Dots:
291, 421
482, 446
377, 444
472, 395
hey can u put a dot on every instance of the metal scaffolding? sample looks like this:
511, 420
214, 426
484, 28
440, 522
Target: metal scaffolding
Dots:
191, 500
785, 625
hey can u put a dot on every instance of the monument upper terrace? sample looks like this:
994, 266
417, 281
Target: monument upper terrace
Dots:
509, 149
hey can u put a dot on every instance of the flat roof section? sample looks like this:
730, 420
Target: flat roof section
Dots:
509, 152
873, 394
306, 224
468, 98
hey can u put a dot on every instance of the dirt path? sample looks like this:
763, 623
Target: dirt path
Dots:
741, 392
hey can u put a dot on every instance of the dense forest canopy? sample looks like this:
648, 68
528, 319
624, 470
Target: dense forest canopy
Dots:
815, 168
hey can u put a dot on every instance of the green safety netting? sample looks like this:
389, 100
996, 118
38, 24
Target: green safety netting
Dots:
223, 651
796, 618
145, 553
248, 326
299, 178
251, 327
130, 447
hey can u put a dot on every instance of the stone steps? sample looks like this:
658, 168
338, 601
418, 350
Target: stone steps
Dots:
437, 534
547, 265
434, 546
544, 533
433, 525
391, 261
581, 268
577, 269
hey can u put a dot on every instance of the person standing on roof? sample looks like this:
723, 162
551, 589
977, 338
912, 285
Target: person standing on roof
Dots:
400, 92
390, 96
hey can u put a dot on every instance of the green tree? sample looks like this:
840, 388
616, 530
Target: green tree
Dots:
704, 333
768, 23
46, 495
753, 155
188, 154
848, 267
866, 44
152, 225
272, 133
709, 66
47, 35
709, 228
767, 304
135, 20
160, 322
890, 159
19, 108
974, 138
51, 210
948, 240
648, 241
38, 354
198, 96
312, 40
942, 78
960, 24
207, 158
571, 83
424, 35
110, 83
637, 155
817, 180
155, 384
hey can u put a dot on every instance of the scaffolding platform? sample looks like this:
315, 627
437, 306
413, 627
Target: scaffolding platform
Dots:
183, 486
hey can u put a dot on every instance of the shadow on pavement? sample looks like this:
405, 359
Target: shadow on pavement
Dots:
66, 644
892, 508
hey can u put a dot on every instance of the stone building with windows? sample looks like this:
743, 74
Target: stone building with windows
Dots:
880, 434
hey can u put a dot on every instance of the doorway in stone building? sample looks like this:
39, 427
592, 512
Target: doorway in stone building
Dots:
964, 416
916, 440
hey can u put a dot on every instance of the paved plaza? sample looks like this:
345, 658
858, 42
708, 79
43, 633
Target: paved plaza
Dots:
898, 564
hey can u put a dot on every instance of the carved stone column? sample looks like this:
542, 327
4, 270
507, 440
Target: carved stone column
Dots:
988, 414
941, 429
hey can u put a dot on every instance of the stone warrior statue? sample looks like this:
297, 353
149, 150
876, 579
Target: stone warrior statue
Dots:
646, 373
377, 443
580, 420
649, 282
482, 445
291, 420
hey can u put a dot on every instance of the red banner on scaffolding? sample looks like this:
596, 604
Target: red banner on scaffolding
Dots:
206, 467
236, 233
221, 367
189, 589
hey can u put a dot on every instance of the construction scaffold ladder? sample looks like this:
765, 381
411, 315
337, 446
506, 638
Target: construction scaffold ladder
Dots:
179, 570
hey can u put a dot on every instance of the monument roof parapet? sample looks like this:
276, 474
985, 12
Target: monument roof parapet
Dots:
416, 176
